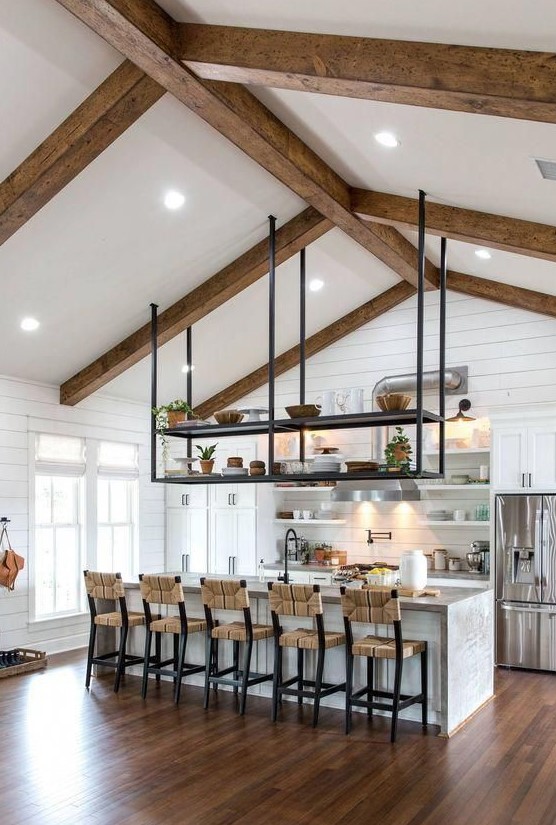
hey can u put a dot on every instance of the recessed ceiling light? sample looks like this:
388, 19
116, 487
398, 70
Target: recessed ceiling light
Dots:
387, 139
174, 200
29, 324
316, 284
185, 368
484, 254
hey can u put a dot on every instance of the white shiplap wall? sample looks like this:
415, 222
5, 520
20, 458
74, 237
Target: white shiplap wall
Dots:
511, 355
27, 407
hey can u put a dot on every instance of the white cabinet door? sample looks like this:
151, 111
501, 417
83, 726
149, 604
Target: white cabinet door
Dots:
234, 495
541, 463
509, 459
186, 540
223, 540
324, 579
197, 540
176, 538
245, 556
186, 495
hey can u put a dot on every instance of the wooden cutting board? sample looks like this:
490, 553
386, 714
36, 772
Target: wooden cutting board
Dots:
413, 594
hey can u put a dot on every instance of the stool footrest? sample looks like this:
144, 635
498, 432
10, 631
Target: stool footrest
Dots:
252, 679
326, 689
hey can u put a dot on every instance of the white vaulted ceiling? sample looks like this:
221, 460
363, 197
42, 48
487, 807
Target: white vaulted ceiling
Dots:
89, 263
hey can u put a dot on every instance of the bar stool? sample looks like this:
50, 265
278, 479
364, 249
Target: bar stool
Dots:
231, 594
301, 600
380, 606
109, 586
167, 590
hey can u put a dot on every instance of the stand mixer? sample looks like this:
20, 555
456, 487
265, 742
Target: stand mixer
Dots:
478, 559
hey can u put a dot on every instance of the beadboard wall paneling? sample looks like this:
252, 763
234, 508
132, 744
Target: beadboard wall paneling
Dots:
27, 407
511, 356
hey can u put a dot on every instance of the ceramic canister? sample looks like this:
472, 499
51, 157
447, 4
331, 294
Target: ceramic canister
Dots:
413, 570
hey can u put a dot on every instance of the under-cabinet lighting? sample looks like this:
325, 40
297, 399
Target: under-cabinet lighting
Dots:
185, 368
483, 254
174, 200
316, 284
29, 324
387, 139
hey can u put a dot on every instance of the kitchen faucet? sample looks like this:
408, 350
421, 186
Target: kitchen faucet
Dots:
290, 532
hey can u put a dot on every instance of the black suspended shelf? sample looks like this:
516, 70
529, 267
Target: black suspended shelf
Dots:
417, 417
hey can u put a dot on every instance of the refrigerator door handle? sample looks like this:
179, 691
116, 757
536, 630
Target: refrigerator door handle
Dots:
519, 608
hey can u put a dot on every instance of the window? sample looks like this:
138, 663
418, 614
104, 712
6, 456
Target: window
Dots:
117, 493
83, 488
58, 546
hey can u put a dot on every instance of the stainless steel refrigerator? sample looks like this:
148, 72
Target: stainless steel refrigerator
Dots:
525, 540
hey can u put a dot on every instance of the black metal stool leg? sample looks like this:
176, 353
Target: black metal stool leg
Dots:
148, 638
424, 688
396, 699
349, 689
276, 680
236, 664
245, 679
90, 654
300, 657
176, 652
120, 667
370, 682
181, 659
209, 669
158, 651
318, 685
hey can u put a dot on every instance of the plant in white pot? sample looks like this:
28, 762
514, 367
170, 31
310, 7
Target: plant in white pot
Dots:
206, 456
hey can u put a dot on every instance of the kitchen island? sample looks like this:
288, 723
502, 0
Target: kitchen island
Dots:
457, 624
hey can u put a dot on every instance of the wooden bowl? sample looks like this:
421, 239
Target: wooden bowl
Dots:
303, 411
393, 401
228, 417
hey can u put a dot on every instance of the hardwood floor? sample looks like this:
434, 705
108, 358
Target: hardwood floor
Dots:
68, 757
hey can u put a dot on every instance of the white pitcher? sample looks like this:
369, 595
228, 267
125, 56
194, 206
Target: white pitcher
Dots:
327, 402
355, 400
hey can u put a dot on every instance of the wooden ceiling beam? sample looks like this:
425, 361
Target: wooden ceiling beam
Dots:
368, 311
145, 34
489, 81
117, 103
512, 296
230, 281
537, 240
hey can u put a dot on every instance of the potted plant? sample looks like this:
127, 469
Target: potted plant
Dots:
168, 416
398, 451
206, 456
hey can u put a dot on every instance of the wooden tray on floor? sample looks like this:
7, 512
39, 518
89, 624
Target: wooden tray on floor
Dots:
33, 660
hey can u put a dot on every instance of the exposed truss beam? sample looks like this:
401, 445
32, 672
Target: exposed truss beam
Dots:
117, 103
537, 240
145, 34
241, 273
502, 82
512, 296
320, 340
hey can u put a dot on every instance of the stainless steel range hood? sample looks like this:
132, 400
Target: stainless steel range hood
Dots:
388, 489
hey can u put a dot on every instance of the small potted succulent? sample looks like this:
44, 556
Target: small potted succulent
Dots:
206, 456
398, 451
168, 416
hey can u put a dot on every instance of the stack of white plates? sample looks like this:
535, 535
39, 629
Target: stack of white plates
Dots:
326, 464
440, 515
235, 471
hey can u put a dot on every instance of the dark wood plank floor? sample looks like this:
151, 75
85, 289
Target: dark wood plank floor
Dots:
68, 757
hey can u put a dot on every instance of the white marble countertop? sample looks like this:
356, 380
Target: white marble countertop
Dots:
331, 595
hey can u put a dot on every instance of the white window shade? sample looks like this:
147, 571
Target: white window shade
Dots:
117, 460
59, 455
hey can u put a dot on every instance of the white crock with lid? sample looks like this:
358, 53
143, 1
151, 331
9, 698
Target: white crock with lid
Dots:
413, 570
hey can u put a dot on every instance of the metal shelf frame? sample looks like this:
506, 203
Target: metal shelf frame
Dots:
417, 417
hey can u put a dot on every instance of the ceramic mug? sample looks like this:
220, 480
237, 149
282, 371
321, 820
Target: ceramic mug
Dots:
355, 400
327, 402
297, 514
307, 514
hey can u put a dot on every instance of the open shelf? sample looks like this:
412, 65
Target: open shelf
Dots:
441, 487
329, 422
284, 489
213, 479
463, 451
453, 523
308, 522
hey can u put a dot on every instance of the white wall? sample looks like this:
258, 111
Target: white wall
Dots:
511, 355
27, 407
